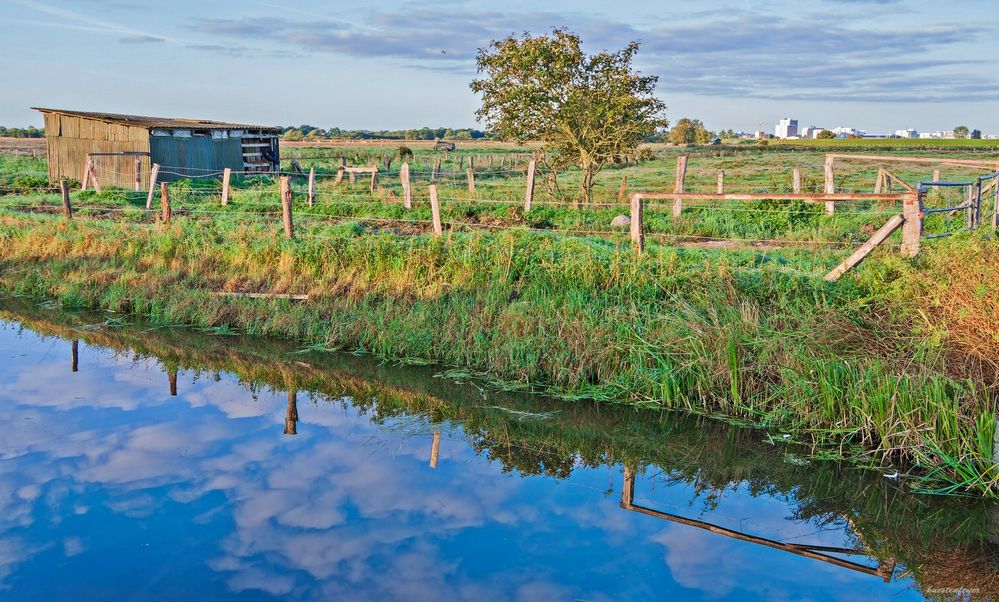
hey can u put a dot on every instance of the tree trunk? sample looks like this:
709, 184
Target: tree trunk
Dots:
586, 184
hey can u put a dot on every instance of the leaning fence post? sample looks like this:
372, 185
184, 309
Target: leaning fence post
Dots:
678, 184
165, 202
830, 184
312, 186
435, 211
284, 185
67, 209
637, 232
529, 194
720, 188
407, 193
796, 180
153, 175
374, 180
912, 229
86, 173
226, 176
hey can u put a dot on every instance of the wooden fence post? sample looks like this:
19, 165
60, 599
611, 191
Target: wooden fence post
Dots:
86, 174
374, 180
284, 185
435, 211
969, 221
637, 231
471, 161
720, 189
407, 193
830, 184
912, 229
436, 170
679, 183
529, 194
622, 191
165, 202
138, 173
879, 181
461, 161
226, 176
352, 177
471, 179
936, 178
796, 180
312, 186
339, 175
154, 173
67, 209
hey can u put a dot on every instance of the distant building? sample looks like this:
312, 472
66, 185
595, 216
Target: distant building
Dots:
786, 128
907, 133
810, 131
845, 132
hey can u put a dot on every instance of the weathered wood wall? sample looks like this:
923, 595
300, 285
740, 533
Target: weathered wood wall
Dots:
70, 138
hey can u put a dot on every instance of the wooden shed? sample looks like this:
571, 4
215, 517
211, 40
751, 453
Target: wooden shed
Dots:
124, 147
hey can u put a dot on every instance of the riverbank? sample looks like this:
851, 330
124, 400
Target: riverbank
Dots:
892, 365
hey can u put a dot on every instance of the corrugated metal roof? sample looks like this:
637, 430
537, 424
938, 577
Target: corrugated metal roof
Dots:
174, 123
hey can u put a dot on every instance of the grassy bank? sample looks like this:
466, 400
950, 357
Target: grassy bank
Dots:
863, 367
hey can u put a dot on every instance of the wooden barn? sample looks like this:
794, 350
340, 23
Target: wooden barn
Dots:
122, 148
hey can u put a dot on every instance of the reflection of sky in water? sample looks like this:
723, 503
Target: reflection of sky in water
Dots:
111, 489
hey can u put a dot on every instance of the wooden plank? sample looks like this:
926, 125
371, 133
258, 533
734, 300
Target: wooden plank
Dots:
807, 197
154, 173
865, 249
529, 194
637, 231
226, 177
889, 175
679, 183
435, 211
924, 160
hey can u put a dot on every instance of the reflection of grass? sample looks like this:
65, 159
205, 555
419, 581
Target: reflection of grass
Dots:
936, 539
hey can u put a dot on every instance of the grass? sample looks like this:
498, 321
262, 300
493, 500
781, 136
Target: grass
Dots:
889, 366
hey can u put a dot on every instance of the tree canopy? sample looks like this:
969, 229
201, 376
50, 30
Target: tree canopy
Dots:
586, 108
689, 131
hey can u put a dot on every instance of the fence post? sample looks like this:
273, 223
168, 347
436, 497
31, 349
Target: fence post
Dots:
154, 173
374, 180
138, 173
471, 180
721, 182
312, 186
796, 180
284, 184
879, 181
86, 174
461, 161
339, 175
637, 232
436, 169
435, 211
936, 178
969, 213
226, 176
529, 194
912, 229
678, 184
165, 202
407, 193
830, 184
352, 177
67, 209
622, 191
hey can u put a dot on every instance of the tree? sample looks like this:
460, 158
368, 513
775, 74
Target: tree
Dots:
826, 135
976, 134
961, 131
586, 109
689, 131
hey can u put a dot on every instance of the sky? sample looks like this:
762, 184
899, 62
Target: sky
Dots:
878, 65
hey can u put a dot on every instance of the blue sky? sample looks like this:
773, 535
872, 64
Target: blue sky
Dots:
873, 64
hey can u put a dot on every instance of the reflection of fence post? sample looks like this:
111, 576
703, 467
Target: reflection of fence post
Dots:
830, 183
529, 194
435, 449
637, 232
628, 487
407, 192
226, 176
76, 355
796, 180
291, 414
284, 184
67, 209
912, 229
435, 211
720, 188
154, 173
172, 378
165, 202
679, 183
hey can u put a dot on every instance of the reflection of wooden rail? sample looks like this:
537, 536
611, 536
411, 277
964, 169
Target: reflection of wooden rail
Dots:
808, 551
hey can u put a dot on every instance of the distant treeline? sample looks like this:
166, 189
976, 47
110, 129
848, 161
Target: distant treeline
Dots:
303, 132
28, 132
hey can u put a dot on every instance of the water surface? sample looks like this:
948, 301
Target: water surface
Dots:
142, 463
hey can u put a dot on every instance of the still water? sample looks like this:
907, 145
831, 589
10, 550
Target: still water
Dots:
142, 463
